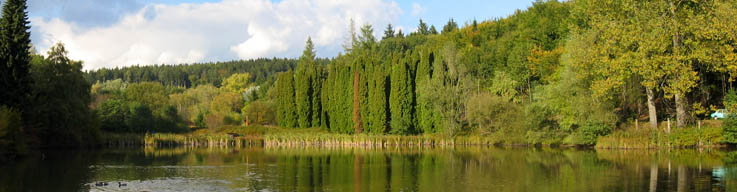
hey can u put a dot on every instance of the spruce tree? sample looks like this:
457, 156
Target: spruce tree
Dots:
422, 28
389, 32
14, 54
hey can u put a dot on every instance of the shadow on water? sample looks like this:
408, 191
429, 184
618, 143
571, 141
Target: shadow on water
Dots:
392, 169
49, 171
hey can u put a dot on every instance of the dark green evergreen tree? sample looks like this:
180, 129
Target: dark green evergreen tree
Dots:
15, 57
303, 85
286, 107
400, 101
422, 28
389, 32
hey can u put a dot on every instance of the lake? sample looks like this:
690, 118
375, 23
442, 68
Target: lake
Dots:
372, 169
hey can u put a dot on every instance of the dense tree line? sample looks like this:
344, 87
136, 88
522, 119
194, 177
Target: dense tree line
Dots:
192, 75
556, 72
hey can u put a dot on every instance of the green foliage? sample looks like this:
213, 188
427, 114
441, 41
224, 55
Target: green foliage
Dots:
237, 83
192, 75
492, 113
730, 101
338, 96
589, 132
304, 78
450, 26
152, 94
226, 103
60, 99
113, 114
378, 105
11, 132
389, 32
286, 109
260, 113
15, 58
729, 126
400, 98
141, 118
199, 122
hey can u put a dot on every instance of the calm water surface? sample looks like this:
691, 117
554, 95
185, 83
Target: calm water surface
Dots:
392, 169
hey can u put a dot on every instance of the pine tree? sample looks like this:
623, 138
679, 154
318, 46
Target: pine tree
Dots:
14, 54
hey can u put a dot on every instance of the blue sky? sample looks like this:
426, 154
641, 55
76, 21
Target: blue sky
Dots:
110, 33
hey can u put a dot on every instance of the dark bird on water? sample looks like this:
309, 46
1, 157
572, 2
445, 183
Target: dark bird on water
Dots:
122, 184
100, 184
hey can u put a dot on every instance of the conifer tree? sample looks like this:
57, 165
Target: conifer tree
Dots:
389, 32
287, 114
14, 54
303, 85
400, 101
422, 28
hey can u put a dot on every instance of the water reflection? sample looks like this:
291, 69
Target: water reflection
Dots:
393, 169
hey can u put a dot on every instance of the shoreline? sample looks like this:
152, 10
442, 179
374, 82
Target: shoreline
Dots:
624, 139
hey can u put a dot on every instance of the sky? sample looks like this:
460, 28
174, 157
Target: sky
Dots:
117, 33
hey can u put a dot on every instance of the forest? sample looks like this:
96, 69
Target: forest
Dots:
566, 72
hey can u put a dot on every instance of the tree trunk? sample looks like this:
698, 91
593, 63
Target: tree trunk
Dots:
357, 120
651, 108
680, 111
680, 102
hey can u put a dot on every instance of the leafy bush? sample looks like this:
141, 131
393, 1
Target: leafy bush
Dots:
729, 128
491, 113
141, 118
590, 131
260, 113
11, 128
113, 113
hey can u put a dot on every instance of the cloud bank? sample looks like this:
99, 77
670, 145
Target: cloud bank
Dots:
201, 32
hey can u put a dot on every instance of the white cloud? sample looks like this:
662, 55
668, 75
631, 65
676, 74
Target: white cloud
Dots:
201, 32
417, 9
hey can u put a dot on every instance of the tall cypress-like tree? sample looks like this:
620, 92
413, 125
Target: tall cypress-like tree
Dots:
378, 101
400, 98
303, 85
14, 54
287, 114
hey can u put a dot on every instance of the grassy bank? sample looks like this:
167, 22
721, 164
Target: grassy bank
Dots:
282, 137
709, 135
